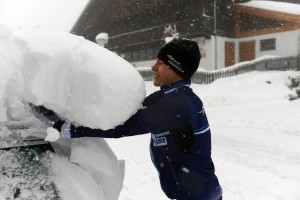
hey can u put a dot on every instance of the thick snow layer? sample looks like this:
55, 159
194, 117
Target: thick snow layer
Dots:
255, 140
76, 78
92, 171
284, 7
83, 83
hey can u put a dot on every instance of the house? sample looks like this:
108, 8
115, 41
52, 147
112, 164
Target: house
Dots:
227, 31
261, 28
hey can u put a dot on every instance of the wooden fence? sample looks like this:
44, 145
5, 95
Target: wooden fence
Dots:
267, 64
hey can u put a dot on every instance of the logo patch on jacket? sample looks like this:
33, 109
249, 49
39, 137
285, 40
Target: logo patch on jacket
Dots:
161, 141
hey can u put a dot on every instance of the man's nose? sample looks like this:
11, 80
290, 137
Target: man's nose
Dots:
154, 67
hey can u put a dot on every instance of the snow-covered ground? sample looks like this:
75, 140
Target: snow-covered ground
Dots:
255, 135
255, 128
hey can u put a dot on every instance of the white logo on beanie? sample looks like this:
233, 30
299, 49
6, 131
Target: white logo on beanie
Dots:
174, 63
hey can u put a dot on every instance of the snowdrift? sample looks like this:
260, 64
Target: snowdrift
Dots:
78, 79
83, 83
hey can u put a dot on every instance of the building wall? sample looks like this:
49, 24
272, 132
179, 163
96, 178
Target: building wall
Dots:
206, 49
287, 44
206, 55
134, 27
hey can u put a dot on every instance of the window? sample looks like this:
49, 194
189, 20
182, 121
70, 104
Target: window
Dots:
268, 44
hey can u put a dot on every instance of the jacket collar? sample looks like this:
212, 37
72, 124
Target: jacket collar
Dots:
174, 86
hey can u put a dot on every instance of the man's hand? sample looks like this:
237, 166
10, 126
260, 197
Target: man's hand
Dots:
48, 117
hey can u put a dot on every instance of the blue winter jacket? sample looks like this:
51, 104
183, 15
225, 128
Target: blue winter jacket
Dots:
180, 141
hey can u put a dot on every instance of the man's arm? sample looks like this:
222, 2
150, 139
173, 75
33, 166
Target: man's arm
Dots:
161, 116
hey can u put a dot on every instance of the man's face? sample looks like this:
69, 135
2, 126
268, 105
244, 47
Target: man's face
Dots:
163, 75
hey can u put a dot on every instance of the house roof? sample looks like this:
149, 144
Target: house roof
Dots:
263, 17
283, 7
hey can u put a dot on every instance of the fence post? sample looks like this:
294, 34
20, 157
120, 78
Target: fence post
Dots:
298, 62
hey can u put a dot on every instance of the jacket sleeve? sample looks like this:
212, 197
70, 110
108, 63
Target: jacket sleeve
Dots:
161, 116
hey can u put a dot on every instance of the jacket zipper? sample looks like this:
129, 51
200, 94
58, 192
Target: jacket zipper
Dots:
172, 169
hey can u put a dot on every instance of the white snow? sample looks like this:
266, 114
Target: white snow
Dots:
284, 7
46, 14
71, 76
83, 83
97, 173
52, 135
255, 140
255, 128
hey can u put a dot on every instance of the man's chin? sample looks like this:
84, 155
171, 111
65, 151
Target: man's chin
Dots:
156, 83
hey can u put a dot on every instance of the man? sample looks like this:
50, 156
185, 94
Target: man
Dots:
180, 133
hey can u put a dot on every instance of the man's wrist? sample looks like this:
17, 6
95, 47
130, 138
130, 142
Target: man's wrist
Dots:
66, 130
58, 124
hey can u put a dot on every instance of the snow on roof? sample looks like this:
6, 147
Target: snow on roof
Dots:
283, 7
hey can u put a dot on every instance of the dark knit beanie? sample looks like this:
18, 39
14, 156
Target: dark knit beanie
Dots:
181, 55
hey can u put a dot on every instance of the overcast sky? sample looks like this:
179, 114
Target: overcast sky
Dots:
47, 14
